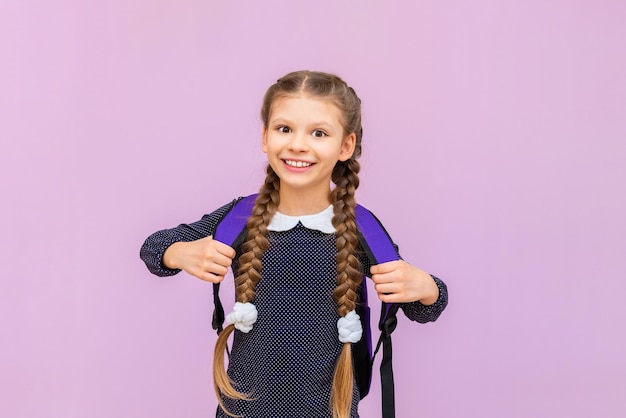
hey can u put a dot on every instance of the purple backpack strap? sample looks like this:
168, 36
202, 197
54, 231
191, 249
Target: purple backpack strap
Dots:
230, 230
380, 249
378, 246
377, 239
234, 222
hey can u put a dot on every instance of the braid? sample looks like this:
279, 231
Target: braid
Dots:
248, 276
256, 241
349, 277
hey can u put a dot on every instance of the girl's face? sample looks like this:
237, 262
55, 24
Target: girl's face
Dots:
304, 140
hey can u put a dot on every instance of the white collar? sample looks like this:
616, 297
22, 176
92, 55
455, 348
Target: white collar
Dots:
321, 221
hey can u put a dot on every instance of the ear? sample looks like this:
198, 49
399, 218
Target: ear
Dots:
265, 139
347, 147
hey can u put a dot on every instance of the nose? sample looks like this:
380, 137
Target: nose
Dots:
298, 142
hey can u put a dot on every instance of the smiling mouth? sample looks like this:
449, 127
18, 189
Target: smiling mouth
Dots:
297, 164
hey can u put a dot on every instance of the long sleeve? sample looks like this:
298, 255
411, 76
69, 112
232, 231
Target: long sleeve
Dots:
155, 245
416, 311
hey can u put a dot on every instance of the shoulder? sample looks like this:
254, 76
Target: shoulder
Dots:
209, 222
374, 239
366, 219
231, 222
238, 207
362, 209
238, 202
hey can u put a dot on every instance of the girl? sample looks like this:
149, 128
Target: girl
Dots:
299, 268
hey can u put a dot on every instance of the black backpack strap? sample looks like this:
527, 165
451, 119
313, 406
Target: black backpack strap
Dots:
217, 321
362, 349
387, 326
380, 249
231, 231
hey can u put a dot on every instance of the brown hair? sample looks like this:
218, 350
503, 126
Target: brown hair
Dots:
346, 179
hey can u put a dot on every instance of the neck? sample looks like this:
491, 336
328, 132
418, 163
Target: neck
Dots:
302, 202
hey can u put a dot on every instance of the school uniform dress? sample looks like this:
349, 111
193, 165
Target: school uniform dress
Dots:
286, 362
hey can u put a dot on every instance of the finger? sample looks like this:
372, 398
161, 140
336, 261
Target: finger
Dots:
391, 297
387, 288
224, 249
221, 260
220, 247
211, 277
216, 269
384, 267
385, 277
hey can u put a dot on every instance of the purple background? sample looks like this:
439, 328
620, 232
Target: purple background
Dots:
494, 152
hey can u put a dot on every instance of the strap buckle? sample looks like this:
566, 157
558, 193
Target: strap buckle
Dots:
389, 325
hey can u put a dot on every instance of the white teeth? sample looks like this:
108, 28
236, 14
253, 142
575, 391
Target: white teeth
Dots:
298, 164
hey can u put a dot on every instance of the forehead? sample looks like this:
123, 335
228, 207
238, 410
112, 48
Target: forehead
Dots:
305, 108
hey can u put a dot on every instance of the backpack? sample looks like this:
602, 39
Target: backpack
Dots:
379, 248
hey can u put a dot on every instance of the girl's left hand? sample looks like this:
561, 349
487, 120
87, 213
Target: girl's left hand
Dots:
400, 282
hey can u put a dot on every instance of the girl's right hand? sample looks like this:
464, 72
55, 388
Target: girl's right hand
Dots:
206, 258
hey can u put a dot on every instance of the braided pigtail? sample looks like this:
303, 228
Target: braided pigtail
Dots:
349, 277
245, 284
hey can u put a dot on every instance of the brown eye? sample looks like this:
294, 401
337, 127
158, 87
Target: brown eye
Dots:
283, 129
318, 133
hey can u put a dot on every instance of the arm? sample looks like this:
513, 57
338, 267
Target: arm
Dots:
421, 296
165, 252
417, 311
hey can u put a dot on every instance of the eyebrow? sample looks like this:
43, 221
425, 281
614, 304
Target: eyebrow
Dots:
323, 124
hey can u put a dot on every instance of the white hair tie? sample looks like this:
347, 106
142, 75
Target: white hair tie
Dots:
243, 316
350, 328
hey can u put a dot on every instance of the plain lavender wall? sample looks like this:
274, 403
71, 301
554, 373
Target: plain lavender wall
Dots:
493, 152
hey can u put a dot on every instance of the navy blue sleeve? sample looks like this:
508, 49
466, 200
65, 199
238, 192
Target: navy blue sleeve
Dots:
416, 311
155, 245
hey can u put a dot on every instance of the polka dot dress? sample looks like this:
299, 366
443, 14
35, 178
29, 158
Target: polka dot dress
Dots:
286, 362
